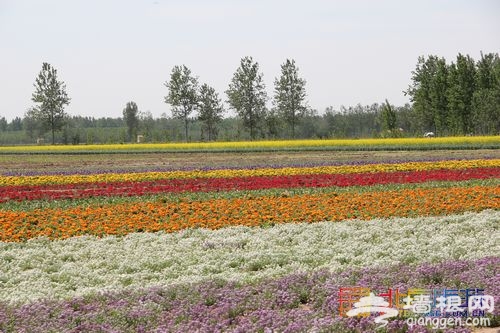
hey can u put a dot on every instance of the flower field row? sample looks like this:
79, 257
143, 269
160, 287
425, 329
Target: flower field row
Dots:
421, 143
124, 218
84, 190
258, 172
160, 247
299, 302
81, 164
41, 268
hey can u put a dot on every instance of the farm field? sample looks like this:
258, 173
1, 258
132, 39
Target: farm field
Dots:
240, 241
379, 144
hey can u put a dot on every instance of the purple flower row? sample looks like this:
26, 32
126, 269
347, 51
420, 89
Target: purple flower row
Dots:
80, 171
304, 302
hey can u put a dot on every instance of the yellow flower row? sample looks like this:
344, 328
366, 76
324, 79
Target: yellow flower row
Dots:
230, 173
491, 140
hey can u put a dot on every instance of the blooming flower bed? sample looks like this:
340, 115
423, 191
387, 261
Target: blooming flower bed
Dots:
298, 302
121, 219
240, 249
79, 265
133, 188
247, 172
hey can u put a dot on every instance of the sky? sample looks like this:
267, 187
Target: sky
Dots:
110, 52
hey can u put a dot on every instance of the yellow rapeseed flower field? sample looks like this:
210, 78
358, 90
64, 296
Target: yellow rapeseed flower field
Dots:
277, 144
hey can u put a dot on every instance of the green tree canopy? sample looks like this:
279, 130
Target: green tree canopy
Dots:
247, 94
486, 98
210, 110
460, 98
3, 124
146, 124
461, 87
428, 92
388, 116
50, 97
438, 96
130, 116
182, 94
290, 93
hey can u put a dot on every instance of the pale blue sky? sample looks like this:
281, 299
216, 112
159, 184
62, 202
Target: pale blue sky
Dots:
110, 52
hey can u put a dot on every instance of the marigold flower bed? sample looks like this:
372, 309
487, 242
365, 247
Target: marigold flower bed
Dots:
121, 219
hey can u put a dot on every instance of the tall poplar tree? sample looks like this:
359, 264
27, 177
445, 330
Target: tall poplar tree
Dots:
486, 98
290, 93
420, 91
210, 110
182, 94
131, 118
50, 97
438, 96
388, 118
247, 94
461, 87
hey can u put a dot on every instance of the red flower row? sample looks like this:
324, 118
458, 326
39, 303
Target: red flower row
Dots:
84, 190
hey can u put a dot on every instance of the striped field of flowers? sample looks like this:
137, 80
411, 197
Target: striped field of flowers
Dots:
249, 249
465, 142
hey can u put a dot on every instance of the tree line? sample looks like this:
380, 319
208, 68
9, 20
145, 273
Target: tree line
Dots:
459, 98
246, 95
346, 122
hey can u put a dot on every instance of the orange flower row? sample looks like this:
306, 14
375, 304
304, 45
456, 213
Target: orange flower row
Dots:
124, 218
